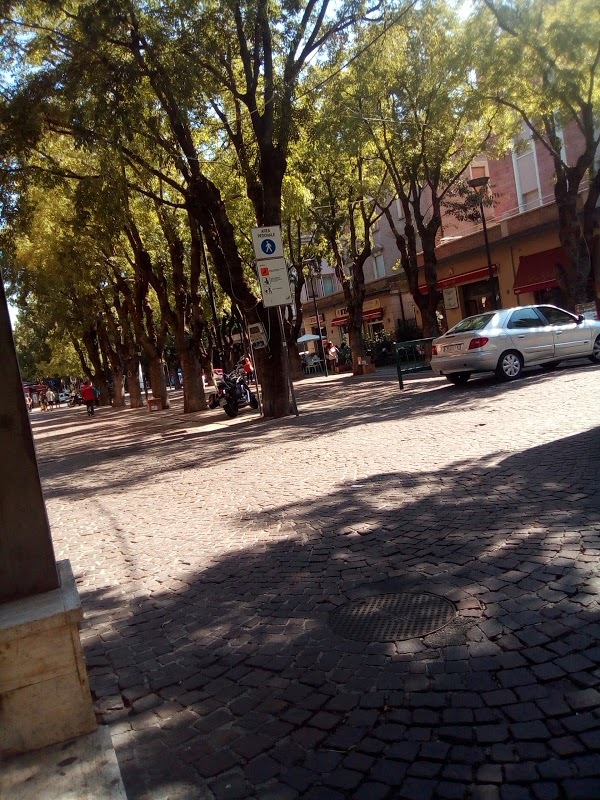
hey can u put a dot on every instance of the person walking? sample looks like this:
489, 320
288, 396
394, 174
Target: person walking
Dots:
248, 368
44, 401
29, 402
51, 397
89, 397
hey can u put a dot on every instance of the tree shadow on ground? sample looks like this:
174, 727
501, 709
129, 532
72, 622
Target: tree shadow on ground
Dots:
231, 681
176, 441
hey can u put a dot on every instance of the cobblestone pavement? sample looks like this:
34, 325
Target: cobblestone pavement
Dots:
210, 555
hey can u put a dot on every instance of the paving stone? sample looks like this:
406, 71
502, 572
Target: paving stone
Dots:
215, 763
424, 769
298, 778
581, 788
231, 786
451, 791
458, 772
555, 768
510, 678
252, 745
277, 791
417, 787
489, 773
515, 793
342, 702
372, 791
388, 772
587, 765
370, 745
584, 699
389, 733
566, 745
525, 772
322, 761
324, 793
341, 778
530, 731
490, 734
545, 790
261, 769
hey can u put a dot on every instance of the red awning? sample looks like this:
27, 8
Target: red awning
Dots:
465, 277
368, 316
538, 271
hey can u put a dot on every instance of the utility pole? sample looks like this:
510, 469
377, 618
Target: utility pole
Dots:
312, 262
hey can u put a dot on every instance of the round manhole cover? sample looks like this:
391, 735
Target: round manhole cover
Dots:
392, 617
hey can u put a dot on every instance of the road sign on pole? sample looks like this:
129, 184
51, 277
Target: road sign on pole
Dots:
267, 242
274, 282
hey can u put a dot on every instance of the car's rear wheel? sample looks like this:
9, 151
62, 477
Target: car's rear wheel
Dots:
510, 365
550, 365
595, 357
459, 378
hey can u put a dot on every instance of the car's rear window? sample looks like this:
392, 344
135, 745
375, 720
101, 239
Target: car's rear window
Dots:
476, 323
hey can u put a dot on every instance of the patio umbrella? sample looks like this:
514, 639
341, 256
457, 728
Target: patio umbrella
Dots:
308, 337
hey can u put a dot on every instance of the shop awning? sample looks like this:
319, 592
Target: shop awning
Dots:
538, 271
368, 316
465, 277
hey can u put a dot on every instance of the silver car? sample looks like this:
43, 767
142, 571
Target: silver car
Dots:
507, 340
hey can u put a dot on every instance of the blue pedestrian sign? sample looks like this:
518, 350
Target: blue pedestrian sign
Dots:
267, 242
268, 247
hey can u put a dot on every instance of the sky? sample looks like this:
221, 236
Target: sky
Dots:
13, 314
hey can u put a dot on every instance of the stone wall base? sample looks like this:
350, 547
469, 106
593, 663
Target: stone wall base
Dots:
44, 691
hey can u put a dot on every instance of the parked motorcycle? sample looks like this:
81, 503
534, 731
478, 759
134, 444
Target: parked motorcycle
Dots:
75, 400
233, 393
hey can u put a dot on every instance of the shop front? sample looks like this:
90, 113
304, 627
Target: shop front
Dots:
464, 294
372, 319
537, 277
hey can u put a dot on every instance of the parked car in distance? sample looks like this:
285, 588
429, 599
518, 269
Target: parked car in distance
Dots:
63, 397
509, 339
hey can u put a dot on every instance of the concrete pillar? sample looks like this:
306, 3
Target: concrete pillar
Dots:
44, 691
27, 563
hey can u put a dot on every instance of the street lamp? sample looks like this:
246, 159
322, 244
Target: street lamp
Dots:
481, 183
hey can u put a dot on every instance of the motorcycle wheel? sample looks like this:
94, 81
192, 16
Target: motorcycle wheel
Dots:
213, 401
253, 401
231, 409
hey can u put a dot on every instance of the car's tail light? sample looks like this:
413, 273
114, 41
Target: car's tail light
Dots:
475, 344
434, 350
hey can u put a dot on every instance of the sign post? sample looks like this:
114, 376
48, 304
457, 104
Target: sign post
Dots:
274, 284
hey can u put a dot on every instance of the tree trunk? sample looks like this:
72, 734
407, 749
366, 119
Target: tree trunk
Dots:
574, 279
207, 366
206, 204
158, 383
119, 394
295, 362
132, 368
99, 381
194, 398
357, 343
271, 371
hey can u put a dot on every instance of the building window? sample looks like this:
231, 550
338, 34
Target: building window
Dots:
375, 329
328, 284
477, 297
530, 199
379, 269
478, 171
527, 177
